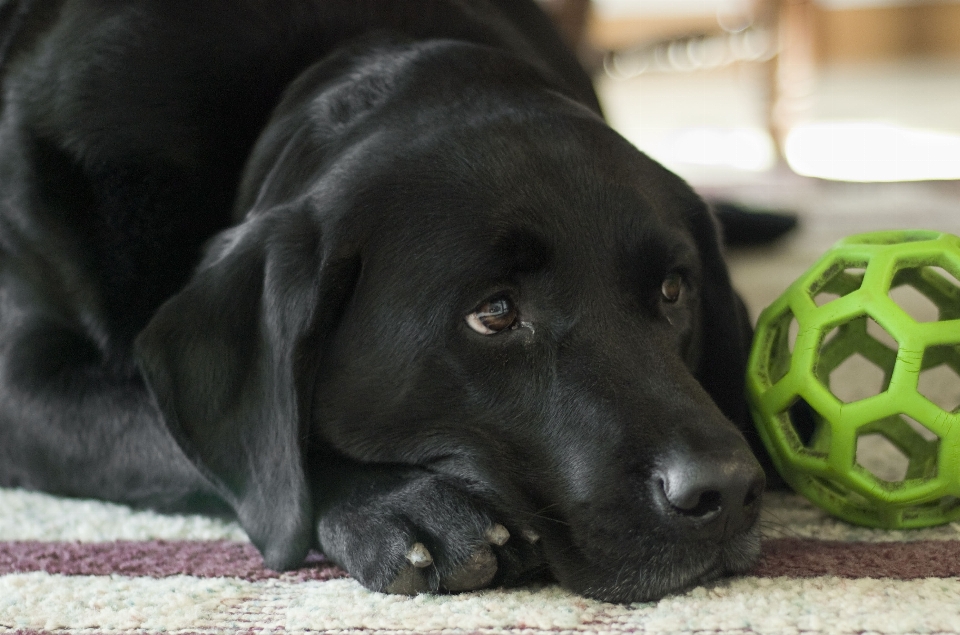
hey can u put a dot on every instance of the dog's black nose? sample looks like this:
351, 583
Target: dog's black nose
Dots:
716, 494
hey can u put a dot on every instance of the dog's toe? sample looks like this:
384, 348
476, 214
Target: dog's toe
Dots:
476, 572
410, 580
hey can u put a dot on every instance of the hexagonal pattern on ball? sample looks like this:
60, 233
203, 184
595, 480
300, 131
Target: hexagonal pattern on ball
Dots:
854, 380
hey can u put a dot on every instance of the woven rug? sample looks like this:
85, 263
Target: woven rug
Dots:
69, 566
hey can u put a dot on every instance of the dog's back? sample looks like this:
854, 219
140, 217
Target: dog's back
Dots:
142, 114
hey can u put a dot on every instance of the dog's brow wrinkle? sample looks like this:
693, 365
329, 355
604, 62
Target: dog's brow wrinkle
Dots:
523, 251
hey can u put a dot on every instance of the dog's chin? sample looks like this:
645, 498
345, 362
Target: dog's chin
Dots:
649, 575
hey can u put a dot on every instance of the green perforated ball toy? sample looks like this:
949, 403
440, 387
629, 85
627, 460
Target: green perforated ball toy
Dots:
854, 380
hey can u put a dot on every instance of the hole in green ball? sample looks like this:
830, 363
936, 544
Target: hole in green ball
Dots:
939, 379
880, 334
857, 378
879, 456
916, 304
898, 448
838, 281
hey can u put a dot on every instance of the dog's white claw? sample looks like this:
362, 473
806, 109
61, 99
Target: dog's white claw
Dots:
530, 536
497, 535
419, 556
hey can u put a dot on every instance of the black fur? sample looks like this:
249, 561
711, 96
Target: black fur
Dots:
238, 244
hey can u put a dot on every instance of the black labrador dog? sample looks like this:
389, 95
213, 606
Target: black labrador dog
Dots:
375, 277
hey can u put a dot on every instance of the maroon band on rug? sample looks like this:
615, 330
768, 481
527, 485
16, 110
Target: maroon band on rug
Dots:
154, 558
804, 558
790, 557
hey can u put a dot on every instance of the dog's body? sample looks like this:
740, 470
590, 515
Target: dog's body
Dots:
366, 273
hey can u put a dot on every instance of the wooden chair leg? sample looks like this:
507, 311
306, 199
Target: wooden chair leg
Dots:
791, 72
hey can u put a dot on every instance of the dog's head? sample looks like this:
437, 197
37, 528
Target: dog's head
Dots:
484, 280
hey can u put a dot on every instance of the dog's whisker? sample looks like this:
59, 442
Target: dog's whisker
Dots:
773, 529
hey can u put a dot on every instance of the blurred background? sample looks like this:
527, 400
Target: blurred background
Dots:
844, 112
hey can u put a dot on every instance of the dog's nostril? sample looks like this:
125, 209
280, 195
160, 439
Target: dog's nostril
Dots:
754, 493
693, 502
700, 490
707, 503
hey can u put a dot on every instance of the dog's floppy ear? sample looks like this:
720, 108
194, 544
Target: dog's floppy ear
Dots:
726, 336
725, 330
230, 361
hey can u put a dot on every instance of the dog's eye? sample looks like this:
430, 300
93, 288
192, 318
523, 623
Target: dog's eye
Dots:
493, 316
672, 287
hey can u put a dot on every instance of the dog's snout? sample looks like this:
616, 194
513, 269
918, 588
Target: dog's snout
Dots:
718, 496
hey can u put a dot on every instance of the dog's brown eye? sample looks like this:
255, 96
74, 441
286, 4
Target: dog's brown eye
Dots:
493, 316
671, 287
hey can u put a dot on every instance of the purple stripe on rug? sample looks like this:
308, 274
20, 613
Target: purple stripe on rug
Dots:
804, 558
154, 558
790, 557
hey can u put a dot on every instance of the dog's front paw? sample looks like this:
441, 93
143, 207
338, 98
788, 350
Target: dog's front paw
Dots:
423, 535
476, 572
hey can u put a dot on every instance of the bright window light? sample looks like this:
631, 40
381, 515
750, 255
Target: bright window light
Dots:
617, 8
871, 152
744, 148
